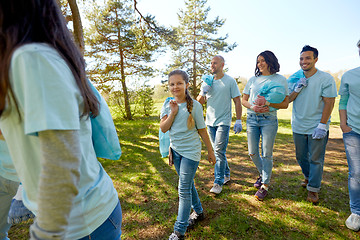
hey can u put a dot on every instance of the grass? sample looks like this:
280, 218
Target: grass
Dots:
147, 189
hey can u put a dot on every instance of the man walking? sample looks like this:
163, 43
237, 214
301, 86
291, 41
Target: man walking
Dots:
218, 117
313, 96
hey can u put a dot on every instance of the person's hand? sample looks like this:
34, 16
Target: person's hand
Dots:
174, 107
303, 82
320, 131
205, 88
259, 109
237, 126
211, 157
345, 128
261, 101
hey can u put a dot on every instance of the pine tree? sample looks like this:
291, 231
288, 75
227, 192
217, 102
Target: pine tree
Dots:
197, 41
120, 45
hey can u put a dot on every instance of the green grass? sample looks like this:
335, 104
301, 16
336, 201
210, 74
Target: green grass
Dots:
147, 189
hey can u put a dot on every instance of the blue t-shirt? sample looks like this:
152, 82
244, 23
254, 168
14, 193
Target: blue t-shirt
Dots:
254, 85
7, 169
49, 99
183, 140
309, 105
218, 111
350, 86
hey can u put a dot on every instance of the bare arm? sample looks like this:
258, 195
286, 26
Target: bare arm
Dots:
245, 100
343, 121
238, 108
283, 105
293, 95
205, 137
167, 121
328, 107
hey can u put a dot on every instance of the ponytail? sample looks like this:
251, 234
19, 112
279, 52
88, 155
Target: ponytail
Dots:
189, 105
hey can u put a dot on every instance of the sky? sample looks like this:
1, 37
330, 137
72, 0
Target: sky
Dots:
281, 26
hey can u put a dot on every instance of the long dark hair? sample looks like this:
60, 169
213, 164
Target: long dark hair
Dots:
39, 21
189, 100
271, 61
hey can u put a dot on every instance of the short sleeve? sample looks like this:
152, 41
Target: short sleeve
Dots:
198, 115
247, 87
165, 110
45, 89
329, 88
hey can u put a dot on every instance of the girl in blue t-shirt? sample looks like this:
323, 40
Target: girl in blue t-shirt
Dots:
261, 117
183, 118
45, 104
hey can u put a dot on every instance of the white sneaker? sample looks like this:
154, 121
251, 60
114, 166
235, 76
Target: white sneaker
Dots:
216, 189
226, 180
353, 222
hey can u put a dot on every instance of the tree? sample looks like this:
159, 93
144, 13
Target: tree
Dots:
73, 16
197, 41
120, 45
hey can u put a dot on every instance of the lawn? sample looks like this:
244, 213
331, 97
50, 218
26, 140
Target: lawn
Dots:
147, 189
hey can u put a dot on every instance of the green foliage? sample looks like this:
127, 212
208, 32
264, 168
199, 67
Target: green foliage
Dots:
141, 101
119, 46
197, 41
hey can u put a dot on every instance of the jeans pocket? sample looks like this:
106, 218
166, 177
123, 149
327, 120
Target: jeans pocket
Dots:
115, 217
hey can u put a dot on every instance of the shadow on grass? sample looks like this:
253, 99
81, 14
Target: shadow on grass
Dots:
147, 188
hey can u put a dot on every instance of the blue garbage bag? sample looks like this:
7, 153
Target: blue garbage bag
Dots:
293, 79
164, 143
208, 79
104, 136
273, 92
164, 138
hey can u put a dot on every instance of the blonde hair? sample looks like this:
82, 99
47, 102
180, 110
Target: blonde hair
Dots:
189, 100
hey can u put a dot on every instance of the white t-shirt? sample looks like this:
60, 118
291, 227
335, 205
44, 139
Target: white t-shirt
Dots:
350, 85
309, 105
183, 140
49, 99
7, 169
255, 83
218, 110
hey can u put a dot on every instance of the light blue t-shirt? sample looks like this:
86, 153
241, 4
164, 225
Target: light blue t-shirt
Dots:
7, 169
49, 99
309, 105
350, 85
183, 140
218, 111
254, 85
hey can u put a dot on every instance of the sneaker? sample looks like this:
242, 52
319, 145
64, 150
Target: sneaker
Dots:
176, 236
258, 183
261, 194
226, 180
194, 219
216, 189
353, 222
305, 183
312, 197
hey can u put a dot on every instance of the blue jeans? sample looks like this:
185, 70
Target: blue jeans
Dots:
264, 126
188, 196
352, 149
8, 190
219, 137
310, 154
110, 229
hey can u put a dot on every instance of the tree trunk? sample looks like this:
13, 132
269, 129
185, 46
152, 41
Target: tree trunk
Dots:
123, 83
78, 28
